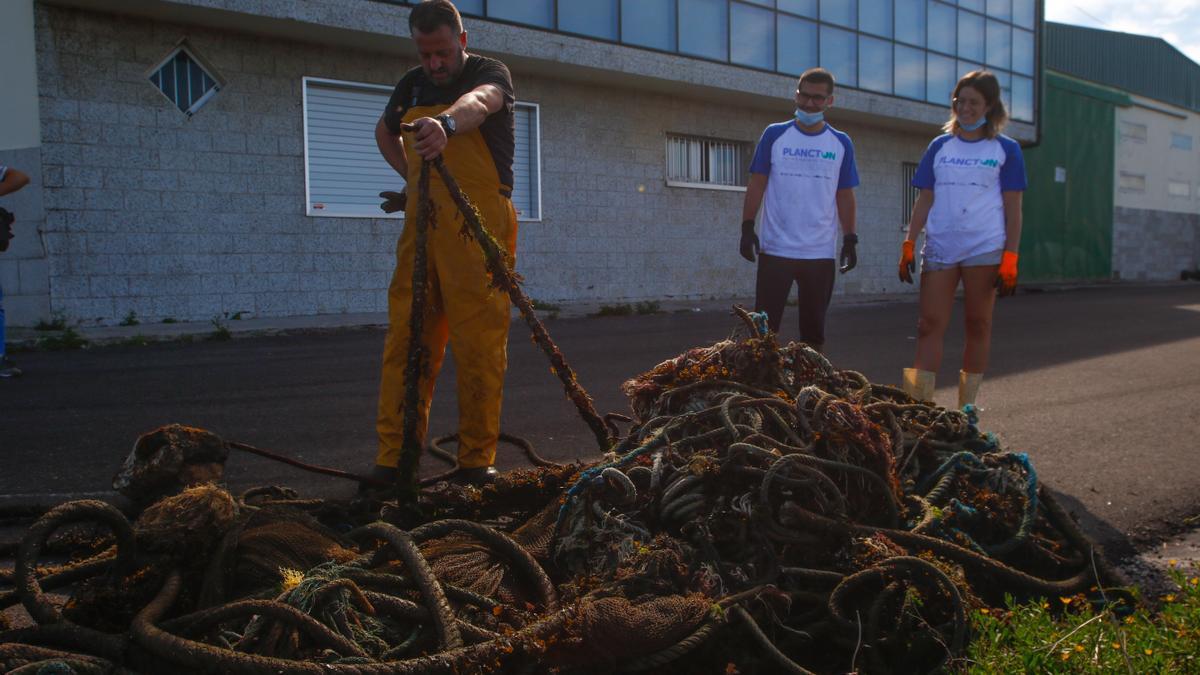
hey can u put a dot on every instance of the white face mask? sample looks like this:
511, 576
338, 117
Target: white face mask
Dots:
809, 119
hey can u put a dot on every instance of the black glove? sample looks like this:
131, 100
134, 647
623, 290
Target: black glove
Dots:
6, 233
749, 246
849, 257
396, 201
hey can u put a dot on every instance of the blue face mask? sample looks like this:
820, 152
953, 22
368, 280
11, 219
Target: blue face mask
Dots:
809, 119
972, 127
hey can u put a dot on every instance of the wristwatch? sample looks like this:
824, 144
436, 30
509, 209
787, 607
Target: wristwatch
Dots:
448, 124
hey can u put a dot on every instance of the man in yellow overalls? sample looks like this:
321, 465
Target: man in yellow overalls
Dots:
458, 106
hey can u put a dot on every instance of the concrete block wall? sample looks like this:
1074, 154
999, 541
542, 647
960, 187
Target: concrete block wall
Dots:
1152, 245
613, 230
149, 211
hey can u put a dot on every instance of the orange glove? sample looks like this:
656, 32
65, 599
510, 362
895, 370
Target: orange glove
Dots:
907, 264
1006, 278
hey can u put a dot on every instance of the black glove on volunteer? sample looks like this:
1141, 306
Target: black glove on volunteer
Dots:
849, 257
396, 201
749, 246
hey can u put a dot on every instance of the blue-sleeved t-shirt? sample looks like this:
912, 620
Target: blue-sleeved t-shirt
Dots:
804, 172
967, 179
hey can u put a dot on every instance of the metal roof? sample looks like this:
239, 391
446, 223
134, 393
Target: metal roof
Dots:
1139, 64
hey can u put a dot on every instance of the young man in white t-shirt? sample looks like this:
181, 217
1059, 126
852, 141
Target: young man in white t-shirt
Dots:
805, 170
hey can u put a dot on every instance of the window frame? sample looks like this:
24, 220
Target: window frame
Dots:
909, 193
971, 9
535, 131
1129, 131
184, 46
743, 166
1125, 178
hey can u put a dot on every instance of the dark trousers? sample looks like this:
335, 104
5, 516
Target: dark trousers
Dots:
815, 281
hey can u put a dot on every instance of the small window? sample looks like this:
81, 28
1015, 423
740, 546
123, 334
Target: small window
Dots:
1179, 189
1133, 182
908, 193
1131, 131
1181, 141
694, 161
184, 80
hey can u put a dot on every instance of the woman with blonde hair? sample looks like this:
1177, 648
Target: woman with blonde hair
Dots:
971, 180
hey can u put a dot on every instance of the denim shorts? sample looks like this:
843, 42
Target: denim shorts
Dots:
981, 260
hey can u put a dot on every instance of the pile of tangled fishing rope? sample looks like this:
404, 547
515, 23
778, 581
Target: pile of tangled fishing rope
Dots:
765, 512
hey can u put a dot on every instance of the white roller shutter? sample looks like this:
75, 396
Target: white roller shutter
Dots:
343, 168
344, 171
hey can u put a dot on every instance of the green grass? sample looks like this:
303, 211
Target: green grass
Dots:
130, 319
623, 309
57, 321
68, 339
220, 331
135, 341
1070, 635
626, 309
548, 309
170, 319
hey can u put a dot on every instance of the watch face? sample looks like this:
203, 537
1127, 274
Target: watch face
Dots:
451, 124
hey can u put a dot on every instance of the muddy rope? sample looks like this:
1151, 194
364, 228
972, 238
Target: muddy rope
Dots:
505, 279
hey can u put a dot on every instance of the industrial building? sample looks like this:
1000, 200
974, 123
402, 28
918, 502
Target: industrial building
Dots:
201, 158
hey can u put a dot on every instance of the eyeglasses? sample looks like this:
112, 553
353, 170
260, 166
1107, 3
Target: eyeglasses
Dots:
819, 99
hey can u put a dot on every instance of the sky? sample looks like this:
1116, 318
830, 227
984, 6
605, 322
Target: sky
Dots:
1176, 21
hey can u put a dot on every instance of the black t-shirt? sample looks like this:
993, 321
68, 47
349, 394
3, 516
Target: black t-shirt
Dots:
415, 89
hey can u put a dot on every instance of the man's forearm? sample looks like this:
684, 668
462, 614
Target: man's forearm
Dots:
473, 107
755, 189
847, 211
13, 180
391, 147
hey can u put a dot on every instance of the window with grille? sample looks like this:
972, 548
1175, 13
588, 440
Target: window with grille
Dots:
908, 193
345, 173
184, 80
695, 161
1179, 189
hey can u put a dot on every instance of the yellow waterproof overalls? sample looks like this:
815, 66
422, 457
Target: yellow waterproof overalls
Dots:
461, 306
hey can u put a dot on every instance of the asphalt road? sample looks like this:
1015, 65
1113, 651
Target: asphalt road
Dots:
1098, 384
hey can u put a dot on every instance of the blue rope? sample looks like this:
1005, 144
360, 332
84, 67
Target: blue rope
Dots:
760, 323
591, 474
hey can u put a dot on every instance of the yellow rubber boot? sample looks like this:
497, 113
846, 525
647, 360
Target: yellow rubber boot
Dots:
919, 383
968, 387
